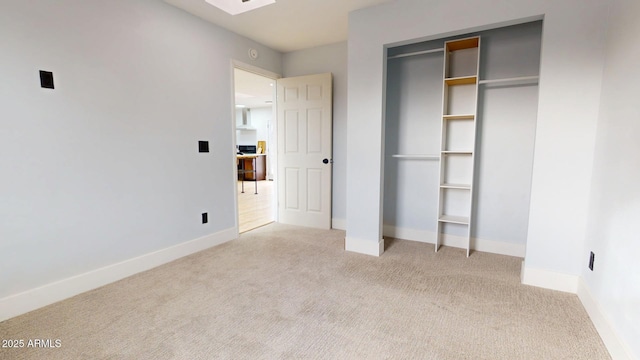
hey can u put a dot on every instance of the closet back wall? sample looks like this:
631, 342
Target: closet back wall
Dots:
504, 144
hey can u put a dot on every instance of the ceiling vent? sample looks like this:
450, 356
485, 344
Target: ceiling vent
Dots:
235, 7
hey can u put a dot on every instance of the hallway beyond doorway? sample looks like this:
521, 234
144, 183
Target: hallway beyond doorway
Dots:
255, 210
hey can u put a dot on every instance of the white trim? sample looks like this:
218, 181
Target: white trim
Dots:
416, 53
617, 348
30, 300
549, 279
416, 156
339, 224
363, 246
237, 64
514, 80
253, 69
491, 246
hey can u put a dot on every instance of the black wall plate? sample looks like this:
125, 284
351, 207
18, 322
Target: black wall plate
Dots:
46, 79
203, 146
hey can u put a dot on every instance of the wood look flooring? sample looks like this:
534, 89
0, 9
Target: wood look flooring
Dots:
255, 210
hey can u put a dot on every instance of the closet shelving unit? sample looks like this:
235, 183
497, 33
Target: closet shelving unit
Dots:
458, 134
459, 125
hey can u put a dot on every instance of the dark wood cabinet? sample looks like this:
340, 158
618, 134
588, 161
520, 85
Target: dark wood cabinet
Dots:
246, 164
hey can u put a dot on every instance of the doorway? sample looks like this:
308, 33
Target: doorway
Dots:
256, 149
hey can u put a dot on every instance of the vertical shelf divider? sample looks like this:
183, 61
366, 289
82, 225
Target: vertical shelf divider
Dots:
459, 107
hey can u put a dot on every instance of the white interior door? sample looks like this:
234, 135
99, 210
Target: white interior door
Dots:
304, 150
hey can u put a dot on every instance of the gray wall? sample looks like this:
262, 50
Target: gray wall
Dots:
585, 170
105, 167
572, 57
615, 195
333, 59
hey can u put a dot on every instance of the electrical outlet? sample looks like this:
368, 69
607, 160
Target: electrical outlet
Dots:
205, 218
592, 258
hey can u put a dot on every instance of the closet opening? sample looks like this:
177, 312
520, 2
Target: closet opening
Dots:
460, 120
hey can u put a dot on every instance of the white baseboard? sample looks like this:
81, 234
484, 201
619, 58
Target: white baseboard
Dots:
339, 224
617, 348
575, 284
549, 279
491, 246
362, 246
29, 300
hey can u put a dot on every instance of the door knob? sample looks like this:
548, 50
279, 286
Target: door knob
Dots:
325, 161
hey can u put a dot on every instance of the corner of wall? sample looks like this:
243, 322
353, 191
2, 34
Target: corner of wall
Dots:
363, 246
616, 347
574, 284
339, 224
549, 279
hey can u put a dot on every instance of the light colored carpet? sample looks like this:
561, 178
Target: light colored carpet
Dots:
283, 292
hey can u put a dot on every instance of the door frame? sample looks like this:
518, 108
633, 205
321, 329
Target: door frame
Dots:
235, 64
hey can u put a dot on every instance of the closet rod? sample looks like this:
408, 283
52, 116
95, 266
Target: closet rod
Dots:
417, 156
522, 79
416, 53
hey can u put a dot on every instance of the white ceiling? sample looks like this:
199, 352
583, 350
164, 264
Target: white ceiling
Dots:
287, 25
253, 91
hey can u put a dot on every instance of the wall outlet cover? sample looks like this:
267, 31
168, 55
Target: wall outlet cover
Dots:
203, 146
46, 79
